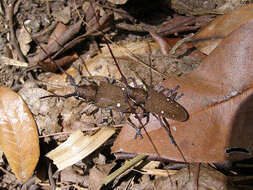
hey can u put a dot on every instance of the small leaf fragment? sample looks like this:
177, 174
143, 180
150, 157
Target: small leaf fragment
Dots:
18, 134
78, 146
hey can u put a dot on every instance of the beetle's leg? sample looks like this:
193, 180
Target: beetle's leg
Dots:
178, 96
109, 80
170, 93
59, 96
147, 118
158, 88
167, 128
121, 116
138, 130
70, 80
143, 114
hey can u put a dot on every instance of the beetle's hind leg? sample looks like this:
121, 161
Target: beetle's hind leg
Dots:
167, 128
138, 129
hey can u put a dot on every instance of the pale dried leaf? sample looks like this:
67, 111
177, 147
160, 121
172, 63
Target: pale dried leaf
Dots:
151, 165
18, 134
159, 172
7, 61
78, 147
151, 169
24, 38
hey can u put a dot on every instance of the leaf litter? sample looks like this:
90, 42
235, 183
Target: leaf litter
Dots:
56, 115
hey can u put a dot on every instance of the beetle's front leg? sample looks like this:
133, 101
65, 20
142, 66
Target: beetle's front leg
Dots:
170, 93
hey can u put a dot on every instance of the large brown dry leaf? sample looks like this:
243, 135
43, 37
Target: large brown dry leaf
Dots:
18, 134
218, 97
222, 27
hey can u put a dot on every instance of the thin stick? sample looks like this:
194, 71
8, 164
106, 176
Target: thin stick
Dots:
67, 133
7, 172
10, 18
122, 169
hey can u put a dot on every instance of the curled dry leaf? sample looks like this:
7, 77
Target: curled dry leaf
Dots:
78, 147
218, 98
57, 44
56, 34
48, 64
211, 35
18, 134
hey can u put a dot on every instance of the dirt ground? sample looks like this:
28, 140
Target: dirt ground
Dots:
26, 29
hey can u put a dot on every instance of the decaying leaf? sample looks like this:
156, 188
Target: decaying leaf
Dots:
78, 147
218, 98
18, 134
209, 178
221, 27
64, 15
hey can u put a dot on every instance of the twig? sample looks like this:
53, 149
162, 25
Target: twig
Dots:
68, 132
9, 16
122, 169
50, 176
48, 8
7, 172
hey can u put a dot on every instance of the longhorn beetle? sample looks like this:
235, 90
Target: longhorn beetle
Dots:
159, 102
